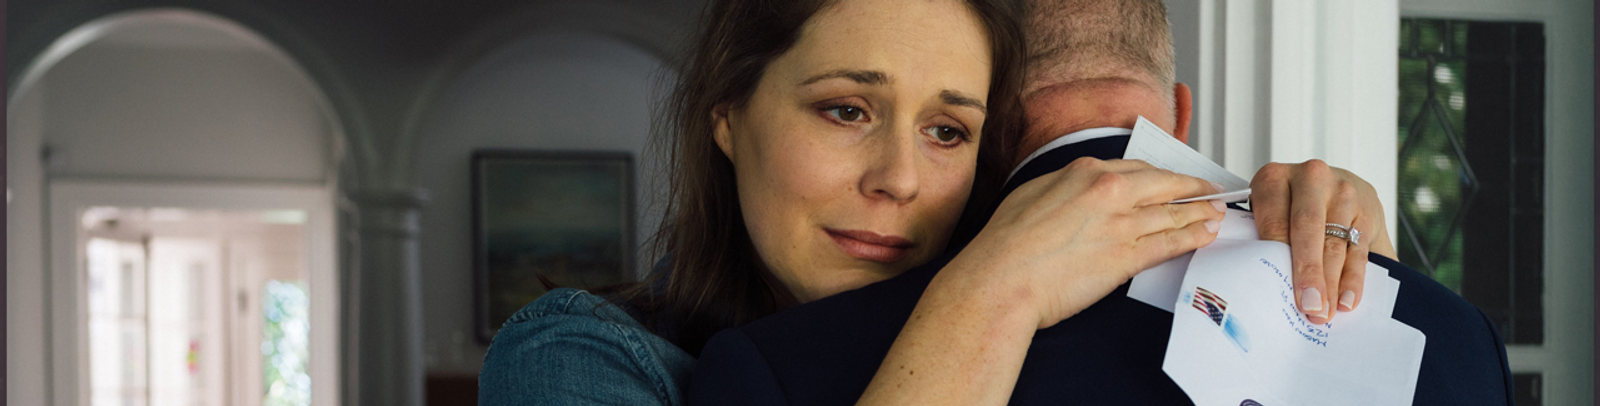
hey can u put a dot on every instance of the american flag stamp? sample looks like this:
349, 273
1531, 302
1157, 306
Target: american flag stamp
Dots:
1215, 308
1210, 304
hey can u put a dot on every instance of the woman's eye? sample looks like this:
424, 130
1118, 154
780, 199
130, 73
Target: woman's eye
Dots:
845, 113
946, 134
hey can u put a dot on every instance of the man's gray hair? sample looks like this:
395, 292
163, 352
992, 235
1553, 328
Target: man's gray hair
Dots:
1071, 40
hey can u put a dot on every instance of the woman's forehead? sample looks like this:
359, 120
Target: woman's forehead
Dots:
938, 42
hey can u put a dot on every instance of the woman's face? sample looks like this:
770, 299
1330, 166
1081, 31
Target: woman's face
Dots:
856, 152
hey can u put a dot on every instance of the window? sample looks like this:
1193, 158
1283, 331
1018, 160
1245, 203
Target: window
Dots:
286, 322
1471, 168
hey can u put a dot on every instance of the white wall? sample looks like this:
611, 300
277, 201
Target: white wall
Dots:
554, 91
122, 111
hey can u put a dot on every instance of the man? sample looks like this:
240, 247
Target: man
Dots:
1094, 67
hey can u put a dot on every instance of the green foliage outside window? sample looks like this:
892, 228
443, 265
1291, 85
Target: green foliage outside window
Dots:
1435, 184
284, 348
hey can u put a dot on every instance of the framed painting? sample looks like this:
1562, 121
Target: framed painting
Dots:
542, 220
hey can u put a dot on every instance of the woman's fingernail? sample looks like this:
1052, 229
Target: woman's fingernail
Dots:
1213, 226
1218, 186
1217, 204
1347, 300
1311, 301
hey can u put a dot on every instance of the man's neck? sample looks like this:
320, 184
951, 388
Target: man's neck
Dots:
1069, 107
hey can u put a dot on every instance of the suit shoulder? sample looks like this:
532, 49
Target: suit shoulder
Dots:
733, 371
1420, 292
885, 304
1464, 358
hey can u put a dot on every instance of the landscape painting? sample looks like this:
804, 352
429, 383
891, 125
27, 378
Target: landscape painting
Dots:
543, 220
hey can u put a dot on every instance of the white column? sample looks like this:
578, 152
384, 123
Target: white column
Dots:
1292, 80
387, 325
1355, 102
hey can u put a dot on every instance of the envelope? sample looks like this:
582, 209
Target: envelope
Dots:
1238, 336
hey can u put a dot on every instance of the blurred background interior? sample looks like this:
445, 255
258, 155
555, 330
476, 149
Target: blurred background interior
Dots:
240, 202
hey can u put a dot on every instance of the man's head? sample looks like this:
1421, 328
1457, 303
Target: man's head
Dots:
1071, 40
1116, 53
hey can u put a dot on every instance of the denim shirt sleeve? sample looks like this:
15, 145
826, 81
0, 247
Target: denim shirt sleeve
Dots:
570, 347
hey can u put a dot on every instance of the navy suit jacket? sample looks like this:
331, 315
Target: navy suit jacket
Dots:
826, 352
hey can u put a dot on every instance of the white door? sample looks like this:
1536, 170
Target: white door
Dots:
117, 322
193, 295
188, 344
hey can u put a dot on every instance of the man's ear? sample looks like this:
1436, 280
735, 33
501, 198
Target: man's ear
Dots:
1184, 101
722, 129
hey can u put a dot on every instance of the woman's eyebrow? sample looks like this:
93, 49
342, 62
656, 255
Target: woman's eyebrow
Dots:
872, 77
955, 98
865, 77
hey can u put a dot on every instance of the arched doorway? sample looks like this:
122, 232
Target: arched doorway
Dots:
171, 183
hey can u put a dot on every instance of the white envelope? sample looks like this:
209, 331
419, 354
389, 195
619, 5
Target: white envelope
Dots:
1237, 334
1259, 347
1159, 285
1151, 144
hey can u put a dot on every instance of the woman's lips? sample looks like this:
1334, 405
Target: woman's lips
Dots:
871, 246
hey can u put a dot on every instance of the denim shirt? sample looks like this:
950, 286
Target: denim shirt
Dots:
571, 347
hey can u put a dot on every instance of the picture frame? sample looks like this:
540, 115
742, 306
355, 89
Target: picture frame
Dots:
547, 219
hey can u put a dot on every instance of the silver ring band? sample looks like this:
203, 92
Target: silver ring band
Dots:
1345, 233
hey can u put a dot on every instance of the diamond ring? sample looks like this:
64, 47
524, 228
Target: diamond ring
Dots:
1346, 233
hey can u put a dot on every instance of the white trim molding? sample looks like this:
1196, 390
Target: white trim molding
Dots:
1289, 81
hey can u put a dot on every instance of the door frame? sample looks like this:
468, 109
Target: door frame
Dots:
1566, 359
66, 202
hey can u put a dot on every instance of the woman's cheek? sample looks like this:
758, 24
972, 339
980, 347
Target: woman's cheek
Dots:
815, 171
801, 176
954, 185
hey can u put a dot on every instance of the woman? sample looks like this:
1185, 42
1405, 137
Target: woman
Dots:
822, 146
941, 87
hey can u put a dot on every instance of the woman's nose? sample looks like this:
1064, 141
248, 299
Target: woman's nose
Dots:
892, 174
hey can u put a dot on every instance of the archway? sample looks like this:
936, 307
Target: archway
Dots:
165, 111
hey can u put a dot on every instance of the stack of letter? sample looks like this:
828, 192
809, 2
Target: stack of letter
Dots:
1238, 337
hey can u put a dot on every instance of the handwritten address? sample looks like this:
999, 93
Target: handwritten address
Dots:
1313, 333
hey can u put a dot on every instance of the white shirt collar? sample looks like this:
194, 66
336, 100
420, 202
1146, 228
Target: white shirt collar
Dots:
1074, 138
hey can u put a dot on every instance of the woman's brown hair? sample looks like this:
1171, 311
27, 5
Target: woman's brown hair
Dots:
712, 277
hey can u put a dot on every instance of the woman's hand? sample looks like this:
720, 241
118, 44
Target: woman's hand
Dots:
1056, 245
1294, 203
1067, 239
